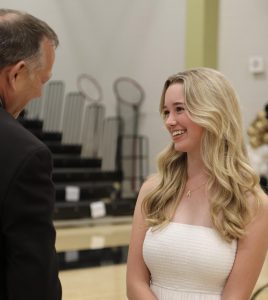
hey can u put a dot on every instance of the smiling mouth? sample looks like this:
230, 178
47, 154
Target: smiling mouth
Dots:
178, 133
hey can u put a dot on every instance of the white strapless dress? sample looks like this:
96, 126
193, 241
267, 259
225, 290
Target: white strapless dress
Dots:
188, 262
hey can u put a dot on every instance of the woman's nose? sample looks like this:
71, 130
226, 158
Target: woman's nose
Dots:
170, 120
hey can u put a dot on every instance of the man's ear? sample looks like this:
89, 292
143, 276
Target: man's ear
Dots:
14, 72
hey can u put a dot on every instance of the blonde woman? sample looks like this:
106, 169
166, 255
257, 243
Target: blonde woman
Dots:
200, 227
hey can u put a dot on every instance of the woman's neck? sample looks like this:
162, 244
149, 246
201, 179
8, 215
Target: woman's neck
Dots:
196, 169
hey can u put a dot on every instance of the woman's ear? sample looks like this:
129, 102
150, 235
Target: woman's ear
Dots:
14, 72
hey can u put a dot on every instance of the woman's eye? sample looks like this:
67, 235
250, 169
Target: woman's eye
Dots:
179, 109
165, 114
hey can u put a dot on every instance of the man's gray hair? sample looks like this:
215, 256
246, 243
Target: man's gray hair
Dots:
21, 35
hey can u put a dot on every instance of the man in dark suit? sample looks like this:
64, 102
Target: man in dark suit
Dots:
28, 262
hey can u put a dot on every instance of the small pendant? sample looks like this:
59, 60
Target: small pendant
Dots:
188, 194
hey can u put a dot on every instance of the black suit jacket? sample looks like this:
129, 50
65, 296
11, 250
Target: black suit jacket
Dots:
28, 261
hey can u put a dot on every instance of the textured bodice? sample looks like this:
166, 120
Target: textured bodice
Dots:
188, 261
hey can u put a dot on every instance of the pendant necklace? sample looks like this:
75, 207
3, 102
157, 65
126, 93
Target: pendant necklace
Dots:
189, 192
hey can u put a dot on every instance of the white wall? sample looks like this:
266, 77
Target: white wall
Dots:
107, 39
242, 34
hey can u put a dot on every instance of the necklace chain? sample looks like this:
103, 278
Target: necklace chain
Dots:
189, 192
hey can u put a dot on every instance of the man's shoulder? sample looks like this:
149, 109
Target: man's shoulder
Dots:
17, 146
12, 131
16, 141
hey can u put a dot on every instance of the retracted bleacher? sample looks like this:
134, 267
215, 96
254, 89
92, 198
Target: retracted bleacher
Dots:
87, 186
92, 164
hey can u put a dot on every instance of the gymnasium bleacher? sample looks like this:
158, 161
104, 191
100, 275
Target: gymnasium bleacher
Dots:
93, 168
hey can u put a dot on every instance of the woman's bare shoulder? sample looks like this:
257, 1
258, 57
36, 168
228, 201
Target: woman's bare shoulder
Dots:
149, 185
264, 203
262, 211
263, 197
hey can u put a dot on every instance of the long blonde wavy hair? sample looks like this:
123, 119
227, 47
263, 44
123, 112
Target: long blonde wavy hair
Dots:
211, 103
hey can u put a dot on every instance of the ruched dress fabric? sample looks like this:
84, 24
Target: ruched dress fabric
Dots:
188, 262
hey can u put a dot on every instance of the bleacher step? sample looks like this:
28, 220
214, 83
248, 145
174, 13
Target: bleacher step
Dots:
82, 209
87, 191
46, 136
73, 175
31, 124
76, 162
59, 148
